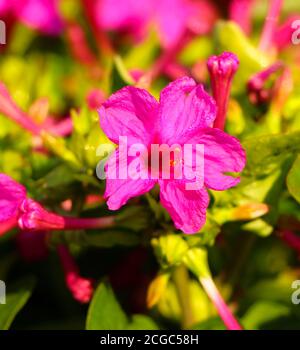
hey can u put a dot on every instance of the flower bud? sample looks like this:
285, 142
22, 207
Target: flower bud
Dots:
35, 218
157, 288
222, 69
170, 249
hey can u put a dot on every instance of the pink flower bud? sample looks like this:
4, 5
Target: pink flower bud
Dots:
34, 217
222, 69
81, 288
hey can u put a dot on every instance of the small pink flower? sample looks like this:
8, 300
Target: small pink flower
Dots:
183, 115
171, 17
256, 86
38, 14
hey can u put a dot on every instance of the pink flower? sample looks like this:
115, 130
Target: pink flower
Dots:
183, 115
12, 195
171, 17
256, 86
38, 14
222, 69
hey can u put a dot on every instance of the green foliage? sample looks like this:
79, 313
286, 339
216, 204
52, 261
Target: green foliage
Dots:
263, 312
105, 313
293, 180
17, 296
229, 37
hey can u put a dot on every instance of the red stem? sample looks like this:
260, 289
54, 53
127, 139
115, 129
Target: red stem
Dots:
88, 223
270, 25
291, 239
223, 310
222, 100
102, 40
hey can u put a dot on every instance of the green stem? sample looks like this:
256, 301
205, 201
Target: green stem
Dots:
181, 280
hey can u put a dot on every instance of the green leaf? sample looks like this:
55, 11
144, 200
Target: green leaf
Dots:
105, 312
111, 238
6, 263
230, 37
263, 312
62, 175
293, 180
142, 322
214, 323
135, 218
17, 296
82, 120
198, 49
57, 145
141, 55
265, 152
122, 70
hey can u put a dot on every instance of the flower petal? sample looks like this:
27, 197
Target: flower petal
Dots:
118, 190
186, 208
184, 108
222, 153
124, 15
129, 112
11, 196
39, 14
172, 17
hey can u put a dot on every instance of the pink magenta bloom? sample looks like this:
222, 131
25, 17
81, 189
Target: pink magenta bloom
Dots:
38, 14
171, 17
183, 115
12, 195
